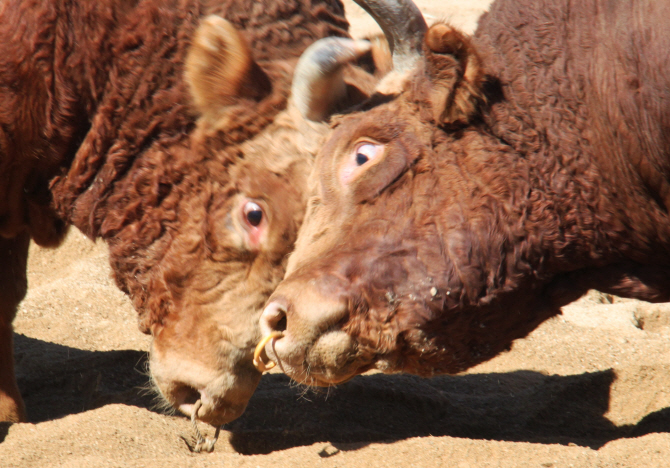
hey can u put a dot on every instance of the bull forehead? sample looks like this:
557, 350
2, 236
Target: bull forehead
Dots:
386, 117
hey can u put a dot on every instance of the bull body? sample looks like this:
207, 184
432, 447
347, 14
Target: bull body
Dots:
160, 129
504, 176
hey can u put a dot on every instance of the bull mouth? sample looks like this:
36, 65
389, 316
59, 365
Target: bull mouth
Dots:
331, 359
198, 404
216, 416
316, 379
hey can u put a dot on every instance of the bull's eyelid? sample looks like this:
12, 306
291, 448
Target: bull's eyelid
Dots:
261, 202
253, 219
364, 152
254, 214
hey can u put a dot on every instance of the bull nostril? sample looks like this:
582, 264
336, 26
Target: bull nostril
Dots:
273, 324
185, 395
273, 318
281, 324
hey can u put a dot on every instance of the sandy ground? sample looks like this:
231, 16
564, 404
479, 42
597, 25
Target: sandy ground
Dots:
590, 388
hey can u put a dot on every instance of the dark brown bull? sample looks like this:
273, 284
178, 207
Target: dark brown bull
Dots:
493, 182
161, 128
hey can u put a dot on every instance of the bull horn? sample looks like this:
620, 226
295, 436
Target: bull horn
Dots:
403, 26
318, 81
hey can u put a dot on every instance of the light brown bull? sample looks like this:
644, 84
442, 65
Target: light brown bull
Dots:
163, 128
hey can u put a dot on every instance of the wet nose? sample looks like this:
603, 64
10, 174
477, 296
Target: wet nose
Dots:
302, 330
302, 311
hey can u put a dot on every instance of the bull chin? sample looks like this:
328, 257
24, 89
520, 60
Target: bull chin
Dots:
216, 415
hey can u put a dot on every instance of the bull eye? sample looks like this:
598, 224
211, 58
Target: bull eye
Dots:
365, 152
253, 213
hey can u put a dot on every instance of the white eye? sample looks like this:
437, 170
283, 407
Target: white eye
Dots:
253, 213
365, 152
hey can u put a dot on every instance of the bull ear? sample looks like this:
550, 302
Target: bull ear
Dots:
455, 73
220, 69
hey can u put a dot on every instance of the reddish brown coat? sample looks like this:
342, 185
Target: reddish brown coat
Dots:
510, 173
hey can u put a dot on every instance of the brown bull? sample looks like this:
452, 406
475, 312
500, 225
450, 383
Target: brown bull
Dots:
163, 129
489, 183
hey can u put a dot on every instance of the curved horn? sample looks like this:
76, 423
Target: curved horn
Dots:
318, 82
403, 26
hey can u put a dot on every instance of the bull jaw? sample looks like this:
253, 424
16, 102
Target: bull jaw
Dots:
212, 413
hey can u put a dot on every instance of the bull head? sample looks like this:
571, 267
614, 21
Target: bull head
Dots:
433, 237
367, 272
244, 212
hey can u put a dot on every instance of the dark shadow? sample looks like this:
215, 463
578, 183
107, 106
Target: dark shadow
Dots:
654, 422
57, 380
516, 406
4, 430
526, 406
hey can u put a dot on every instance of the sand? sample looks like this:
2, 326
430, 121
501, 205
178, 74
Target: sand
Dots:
590, 388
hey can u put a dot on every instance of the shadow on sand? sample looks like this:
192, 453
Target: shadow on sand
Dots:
57, 380
4, 430
514, 406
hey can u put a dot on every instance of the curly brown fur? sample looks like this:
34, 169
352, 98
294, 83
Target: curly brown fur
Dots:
100, 129
136, 144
